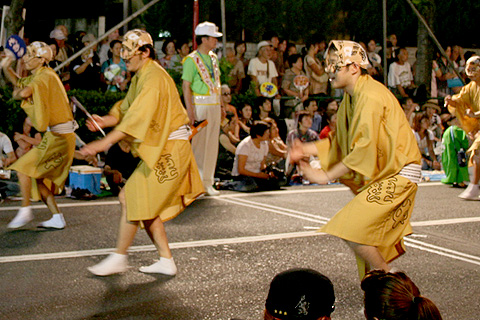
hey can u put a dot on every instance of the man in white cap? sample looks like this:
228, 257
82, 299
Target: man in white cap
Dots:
374, 152
466, 107
201, 92
261, 69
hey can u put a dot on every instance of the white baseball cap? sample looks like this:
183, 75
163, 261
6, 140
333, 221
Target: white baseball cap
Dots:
262, 44
57, 34
207, 29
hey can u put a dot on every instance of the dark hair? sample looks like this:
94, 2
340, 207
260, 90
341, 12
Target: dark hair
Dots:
308, 101
301, 115
258, 129
293, 59
114, 42
181, 42
237, 43
240, 110
417, 121
329, 114
259, 101
394, 296
269, 35
289, 45
166, 43
151, 54
199, 39
397, 52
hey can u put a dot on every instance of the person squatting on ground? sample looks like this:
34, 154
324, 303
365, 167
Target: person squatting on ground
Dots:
154, 121
300, 294
45, 167
466, 107
374, 152
394, 296
201, 92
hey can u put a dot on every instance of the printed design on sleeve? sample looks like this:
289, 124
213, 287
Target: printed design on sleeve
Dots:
155, 126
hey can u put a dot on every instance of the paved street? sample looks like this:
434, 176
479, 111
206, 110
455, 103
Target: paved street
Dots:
227, 250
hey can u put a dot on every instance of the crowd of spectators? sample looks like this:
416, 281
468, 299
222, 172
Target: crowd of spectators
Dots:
295, 111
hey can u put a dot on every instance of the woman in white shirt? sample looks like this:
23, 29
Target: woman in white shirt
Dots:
249, 164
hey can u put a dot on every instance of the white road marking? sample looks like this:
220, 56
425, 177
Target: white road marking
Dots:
174, 245
408, 241
233, 198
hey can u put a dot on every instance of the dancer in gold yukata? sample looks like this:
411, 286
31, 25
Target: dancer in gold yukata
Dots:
466, 107
154, 121
374, 152
45, 167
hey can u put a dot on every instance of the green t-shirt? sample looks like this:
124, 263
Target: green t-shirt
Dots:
191, 74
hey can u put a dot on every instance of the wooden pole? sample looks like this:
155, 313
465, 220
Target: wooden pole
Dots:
118, 26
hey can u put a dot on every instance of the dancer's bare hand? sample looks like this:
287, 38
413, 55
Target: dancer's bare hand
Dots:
91, 125
296, 151
94, 147
313, 175
449, 101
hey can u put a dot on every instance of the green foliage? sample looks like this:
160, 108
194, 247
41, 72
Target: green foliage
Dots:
225, 69
12, 115
177, 77
95, 102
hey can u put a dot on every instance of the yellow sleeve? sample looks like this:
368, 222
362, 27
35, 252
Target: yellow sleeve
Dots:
115, 111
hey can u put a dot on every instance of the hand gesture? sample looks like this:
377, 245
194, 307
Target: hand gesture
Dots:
313, 175
91, 125
296, 151
94, 147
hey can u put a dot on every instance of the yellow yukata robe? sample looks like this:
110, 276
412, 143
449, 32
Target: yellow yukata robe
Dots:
468, 98
48, 106
374, 139
167, 178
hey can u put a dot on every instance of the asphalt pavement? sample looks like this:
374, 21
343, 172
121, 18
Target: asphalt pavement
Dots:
227, 250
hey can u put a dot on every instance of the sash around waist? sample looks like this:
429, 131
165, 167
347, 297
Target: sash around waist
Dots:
64, 128
412, 172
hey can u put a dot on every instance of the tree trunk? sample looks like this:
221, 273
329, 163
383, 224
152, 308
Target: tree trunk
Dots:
425, 51
14, 21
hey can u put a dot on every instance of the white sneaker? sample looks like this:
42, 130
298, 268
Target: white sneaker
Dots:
56, 222
471, 193
164, 266
210, 191
24, 216
114, 263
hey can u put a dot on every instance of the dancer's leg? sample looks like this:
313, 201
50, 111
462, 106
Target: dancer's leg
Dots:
127, 229
372, 259
156, 232
25, 188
